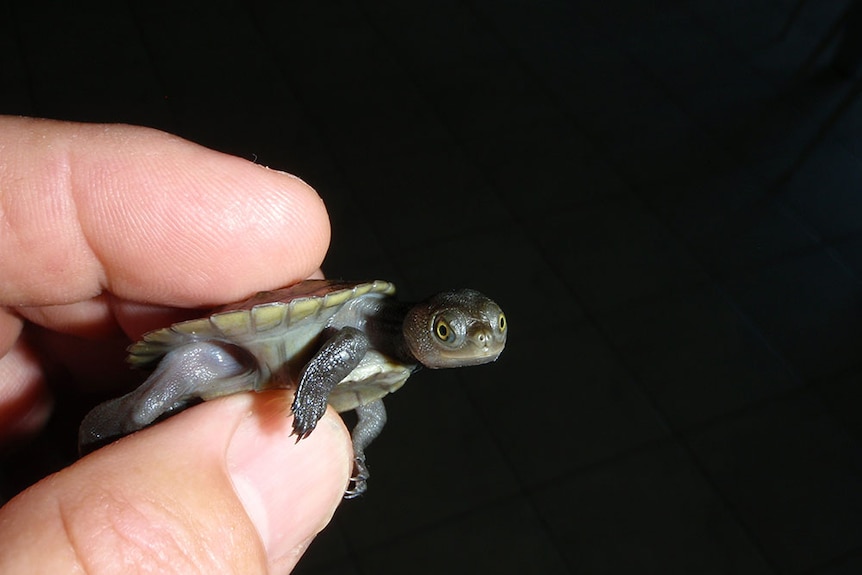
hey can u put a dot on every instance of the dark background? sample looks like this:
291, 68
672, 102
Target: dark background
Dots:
665, 197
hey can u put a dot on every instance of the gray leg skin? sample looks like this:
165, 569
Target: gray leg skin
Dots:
372, 418
197, 371
332, 363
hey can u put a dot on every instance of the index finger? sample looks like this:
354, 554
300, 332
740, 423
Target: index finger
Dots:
147, 216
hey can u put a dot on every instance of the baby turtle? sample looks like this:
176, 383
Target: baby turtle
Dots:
343, 343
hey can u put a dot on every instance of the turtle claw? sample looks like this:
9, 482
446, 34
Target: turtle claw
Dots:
305, 418
359, 481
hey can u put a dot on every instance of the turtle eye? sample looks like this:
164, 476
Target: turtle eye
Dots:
442, 330
501, 323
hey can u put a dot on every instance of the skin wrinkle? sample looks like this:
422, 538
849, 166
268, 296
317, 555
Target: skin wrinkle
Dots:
86, 243
161, 548
108, 191
149, 534
80, 565
134, 534
42, 199
61, 197
124, 206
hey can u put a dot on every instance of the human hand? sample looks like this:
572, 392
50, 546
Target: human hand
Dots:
108, 229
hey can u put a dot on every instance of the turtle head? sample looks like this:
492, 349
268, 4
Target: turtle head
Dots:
454, 329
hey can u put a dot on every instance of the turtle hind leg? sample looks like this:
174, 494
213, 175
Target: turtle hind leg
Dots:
371, 419
185, 376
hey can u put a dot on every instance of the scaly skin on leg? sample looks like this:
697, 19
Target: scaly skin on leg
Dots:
332, 363
200, 370
372, 418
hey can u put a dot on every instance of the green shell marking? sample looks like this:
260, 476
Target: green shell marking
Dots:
280, 315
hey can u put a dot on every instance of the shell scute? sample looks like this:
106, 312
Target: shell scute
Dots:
269, 317
190, 327
260, 315
304, 307
337, 298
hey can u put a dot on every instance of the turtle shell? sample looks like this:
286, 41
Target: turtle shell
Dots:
282, 330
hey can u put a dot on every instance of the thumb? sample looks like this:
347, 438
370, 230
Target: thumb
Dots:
219, 488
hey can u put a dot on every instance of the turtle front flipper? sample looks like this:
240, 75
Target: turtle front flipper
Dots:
332, 363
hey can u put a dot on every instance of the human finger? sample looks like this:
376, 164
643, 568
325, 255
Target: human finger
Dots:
219, 488
148, 216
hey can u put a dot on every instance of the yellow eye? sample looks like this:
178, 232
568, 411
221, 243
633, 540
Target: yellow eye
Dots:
442, 330
501, 322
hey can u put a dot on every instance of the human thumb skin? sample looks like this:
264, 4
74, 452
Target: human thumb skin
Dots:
220, 488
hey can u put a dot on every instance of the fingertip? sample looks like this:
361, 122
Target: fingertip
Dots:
193, 226
289, 488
